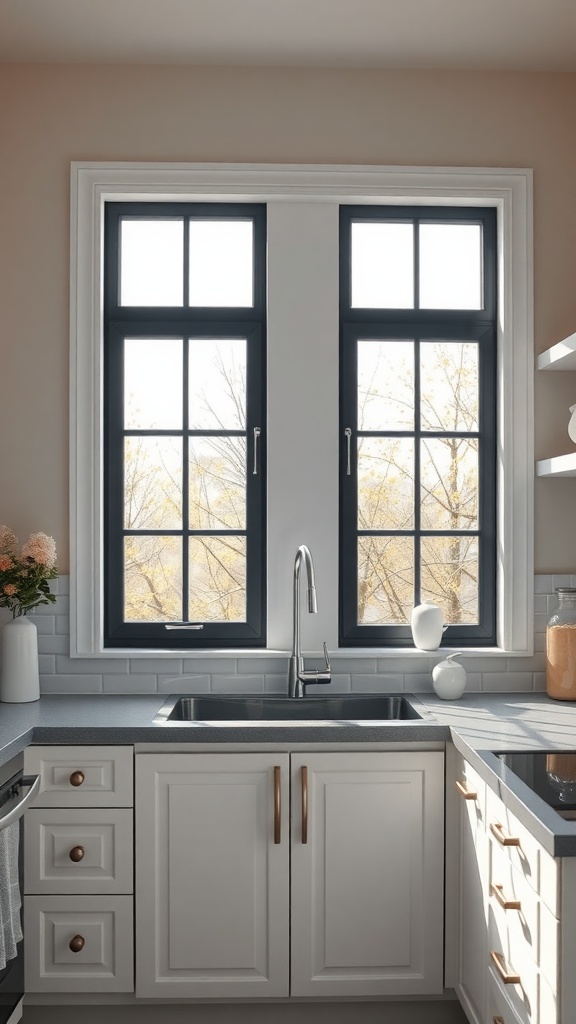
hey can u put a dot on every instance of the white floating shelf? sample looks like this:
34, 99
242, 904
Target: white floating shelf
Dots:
560, 465
560, 357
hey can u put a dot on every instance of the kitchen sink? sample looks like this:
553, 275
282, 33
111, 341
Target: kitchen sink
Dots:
272, 708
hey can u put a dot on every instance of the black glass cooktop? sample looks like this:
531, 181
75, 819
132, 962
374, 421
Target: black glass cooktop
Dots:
549, 774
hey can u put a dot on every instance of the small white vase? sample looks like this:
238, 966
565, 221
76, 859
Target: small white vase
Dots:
572, 424
19, 681
427, 623
449, 678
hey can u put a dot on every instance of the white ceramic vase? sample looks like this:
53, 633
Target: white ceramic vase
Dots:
449, 678
572, 424
427, 623
19, 681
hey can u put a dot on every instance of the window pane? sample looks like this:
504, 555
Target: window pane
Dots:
152, 483
385, 580
450, 576
385, 483
385, 385
218, 579
218, 483
153, 579
221, 263
153, 383
217, 384
449, 385
449, 476
382, 265
151, 262
450, 266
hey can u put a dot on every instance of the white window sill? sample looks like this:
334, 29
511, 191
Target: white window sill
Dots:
341, 652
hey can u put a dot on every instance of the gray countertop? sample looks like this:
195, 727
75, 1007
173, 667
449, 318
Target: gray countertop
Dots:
479, 725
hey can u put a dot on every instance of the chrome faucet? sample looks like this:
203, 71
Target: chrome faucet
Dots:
298, 677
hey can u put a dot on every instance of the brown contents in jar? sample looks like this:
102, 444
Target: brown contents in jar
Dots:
561, 662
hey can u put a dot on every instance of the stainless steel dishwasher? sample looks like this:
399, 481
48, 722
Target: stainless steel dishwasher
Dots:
16, 792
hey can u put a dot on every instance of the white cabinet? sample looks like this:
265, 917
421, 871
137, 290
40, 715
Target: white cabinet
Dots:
78, 871
473, 946
517, 941
217, 861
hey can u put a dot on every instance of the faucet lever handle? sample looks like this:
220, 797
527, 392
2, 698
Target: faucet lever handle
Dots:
326, 658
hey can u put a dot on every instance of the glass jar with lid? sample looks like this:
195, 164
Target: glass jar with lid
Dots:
561, 647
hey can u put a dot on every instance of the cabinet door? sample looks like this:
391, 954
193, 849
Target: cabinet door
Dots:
212, 851
473, 960
367, 873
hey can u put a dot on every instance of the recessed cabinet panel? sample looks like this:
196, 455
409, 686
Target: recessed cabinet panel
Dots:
367, 874
212, 838
79, 944
82, 776
77, 850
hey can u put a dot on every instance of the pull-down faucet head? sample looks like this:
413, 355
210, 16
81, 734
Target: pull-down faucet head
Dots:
297, 676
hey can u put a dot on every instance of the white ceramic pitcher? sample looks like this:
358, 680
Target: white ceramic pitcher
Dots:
427, 623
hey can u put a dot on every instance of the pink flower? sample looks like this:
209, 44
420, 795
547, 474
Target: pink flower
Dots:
8, 540
41, 549
5, 563
10, 589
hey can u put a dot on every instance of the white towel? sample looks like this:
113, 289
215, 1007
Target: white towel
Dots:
10, 898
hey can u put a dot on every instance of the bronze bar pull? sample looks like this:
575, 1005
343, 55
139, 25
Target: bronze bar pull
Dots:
503, 969
76, 779
503, 838
304, 785
76, 944
498, 1020
76, 854
498, 892
277, 806
468, 794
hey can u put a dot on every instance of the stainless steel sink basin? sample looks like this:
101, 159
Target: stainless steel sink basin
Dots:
272, 708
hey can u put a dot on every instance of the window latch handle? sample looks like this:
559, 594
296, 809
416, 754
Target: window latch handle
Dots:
348, 435
257, 432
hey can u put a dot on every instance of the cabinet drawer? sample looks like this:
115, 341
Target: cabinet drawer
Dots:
472, 791
522, 997
513, 907
78, 943
76, 850
513, 839
500, 1010
82, 776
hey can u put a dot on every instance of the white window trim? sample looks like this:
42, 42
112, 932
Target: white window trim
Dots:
312, 518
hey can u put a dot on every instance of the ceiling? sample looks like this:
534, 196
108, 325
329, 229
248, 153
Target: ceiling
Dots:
517, 35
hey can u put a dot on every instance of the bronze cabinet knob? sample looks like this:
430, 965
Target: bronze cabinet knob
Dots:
76, 944
77, 778
76, 854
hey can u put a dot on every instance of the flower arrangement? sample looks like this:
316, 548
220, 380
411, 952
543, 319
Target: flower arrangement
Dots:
24, 575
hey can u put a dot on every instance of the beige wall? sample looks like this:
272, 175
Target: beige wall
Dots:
52, 115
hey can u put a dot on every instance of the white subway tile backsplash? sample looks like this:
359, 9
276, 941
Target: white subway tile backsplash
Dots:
543, 585
129, 683
261, 666
45, 624
492, 681
184, 684
237, 684
380, 683
200, 666
87, 666
349, 665
154, 666
222, 674
70, 684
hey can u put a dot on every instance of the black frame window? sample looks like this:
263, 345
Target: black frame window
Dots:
396, 463
199, 530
